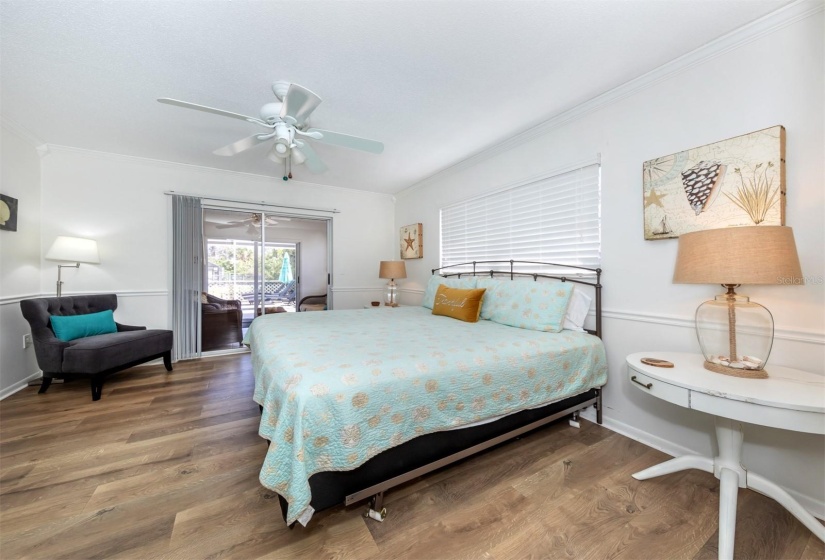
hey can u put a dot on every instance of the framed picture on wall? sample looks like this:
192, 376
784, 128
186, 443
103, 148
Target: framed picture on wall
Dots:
412, 242
8, 213
735, 182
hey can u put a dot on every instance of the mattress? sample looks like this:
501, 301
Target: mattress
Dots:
338, 387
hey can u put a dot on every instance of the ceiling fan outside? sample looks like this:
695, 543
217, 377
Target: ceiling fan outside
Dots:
253, 221
286, 119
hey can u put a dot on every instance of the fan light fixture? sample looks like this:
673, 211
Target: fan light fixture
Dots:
286, 118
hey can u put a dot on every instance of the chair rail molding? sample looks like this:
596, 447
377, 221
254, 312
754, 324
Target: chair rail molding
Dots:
796, 335
14, 299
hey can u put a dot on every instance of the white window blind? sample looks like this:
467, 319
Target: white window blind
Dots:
556, 219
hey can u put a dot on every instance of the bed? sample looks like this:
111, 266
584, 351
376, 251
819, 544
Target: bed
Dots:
354, 402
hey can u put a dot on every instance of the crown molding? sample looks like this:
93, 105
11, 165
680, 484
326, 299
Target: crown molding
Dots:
206, 170
22, 132
752, 31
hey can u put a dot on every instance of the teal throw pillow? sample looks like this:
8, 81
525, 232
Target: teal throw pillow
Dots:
70, 327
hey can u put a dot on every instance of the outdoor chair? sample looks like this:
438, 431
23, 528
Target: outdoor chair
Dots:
288, 293
221, 322
313, 303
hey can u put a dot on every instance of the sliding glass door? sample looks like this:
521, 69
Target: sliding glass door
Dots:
239, 264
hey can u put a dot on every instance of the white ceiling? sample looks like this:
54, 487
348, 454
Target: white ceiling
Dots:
436, 81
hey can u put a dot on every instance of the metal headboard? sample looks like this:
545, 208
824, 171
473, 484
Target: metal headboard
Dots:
479, 268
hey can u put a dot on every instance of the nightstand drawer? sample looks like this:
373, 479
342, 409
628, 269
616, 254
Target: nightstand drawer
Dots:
660, 389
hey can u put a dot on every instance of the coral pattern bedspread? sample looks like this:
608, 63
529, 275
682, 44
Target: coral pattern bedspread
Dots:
339, 387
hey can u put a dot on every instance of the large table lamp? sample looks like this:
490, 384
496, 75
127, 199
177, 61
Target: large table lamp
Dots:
70, 249
392, 270
736, 334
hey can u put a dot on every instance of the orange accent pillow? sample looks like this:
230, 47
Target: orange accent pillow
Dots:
464, 305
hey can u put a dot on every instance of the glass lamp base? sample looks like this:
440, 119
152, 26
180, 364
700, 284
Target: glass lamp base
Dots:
735, 334
735, 372
391, 294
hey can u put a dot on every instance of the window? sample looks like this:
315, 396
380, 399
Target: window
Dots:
555, 219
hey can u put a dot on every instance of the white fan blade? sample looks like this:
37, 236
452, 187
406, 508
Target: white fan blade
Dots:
212, 110
241, 145
347, 141
313, 162
298, 104
225, 226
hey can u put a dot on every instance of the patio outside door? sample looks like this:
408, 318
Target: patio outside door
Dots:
245, 263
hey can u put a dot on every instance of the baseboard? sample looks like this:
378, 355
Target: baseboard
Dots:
12, 389
816, 507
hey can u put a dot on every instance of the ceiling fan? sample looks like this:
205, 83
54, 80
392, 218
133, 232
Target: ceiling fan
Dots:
286, 120
252, 223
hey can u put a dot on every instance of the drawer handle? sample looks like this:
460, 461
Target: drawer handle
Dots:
637, 382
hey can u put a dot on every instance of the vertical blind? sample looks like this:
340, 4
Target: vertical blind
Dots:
556, 219
187, 275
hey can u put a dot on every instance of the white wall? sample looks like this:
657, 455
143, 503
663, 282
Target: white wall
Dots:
119, 201
19, 256
772, 78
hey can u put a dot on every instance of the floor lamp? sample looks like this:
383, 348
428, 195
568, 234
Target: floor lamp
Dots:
70, 249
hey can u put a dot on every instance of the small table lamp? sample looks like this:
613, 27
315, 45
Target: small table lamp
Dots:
736, 334
392, 270
72, 249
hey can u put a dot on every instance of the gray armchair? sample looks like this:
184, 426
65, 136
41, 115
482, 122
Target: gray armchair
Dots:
95, 356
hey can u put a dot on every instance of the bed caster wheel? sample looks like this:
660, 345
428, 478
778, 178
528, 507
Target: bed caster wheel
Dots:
574, 421
377, 515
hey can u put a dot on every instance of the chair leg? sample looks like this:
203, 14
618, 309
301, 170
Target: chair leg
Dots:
97, 387
44, 385
167, 360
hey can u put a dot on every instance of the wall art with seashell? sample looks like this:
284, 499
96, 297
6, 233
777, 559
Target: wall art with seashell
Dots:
736, 182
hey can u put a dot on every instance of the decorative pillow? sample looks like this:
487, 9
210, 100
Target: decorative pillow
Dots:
70, 327
577, 310
538, 306
489, 300
435, 281
204, 299
464, 305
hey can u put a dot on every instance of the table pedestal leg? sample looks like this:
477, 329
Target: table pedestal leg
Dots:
676, 464
727, 467
728, 495
771, 490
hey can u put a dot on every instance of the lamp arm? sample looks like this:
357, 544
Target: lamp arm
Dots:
59, 281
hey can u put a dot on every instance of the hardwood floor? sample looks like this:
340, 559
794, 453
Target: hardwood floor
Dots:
166, 466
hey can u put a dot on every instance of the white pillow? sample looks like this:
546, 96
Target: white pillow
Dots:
577, 310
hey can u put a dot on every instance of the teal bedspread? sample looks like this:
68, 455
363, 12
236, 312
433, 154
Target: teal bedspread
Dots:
339, 387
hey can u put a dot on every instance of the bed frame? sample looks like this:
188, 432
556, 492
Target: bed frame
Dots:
430, 452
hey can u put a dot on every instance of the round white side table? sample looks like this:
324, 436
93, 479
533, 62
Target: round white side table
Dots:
789, 399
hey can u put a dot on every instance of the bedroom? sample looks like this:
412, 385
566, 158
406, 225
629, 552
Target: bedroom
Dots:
710, 94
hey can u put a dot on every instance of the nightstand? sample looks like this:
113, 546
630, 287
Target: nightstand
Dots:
789, 399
